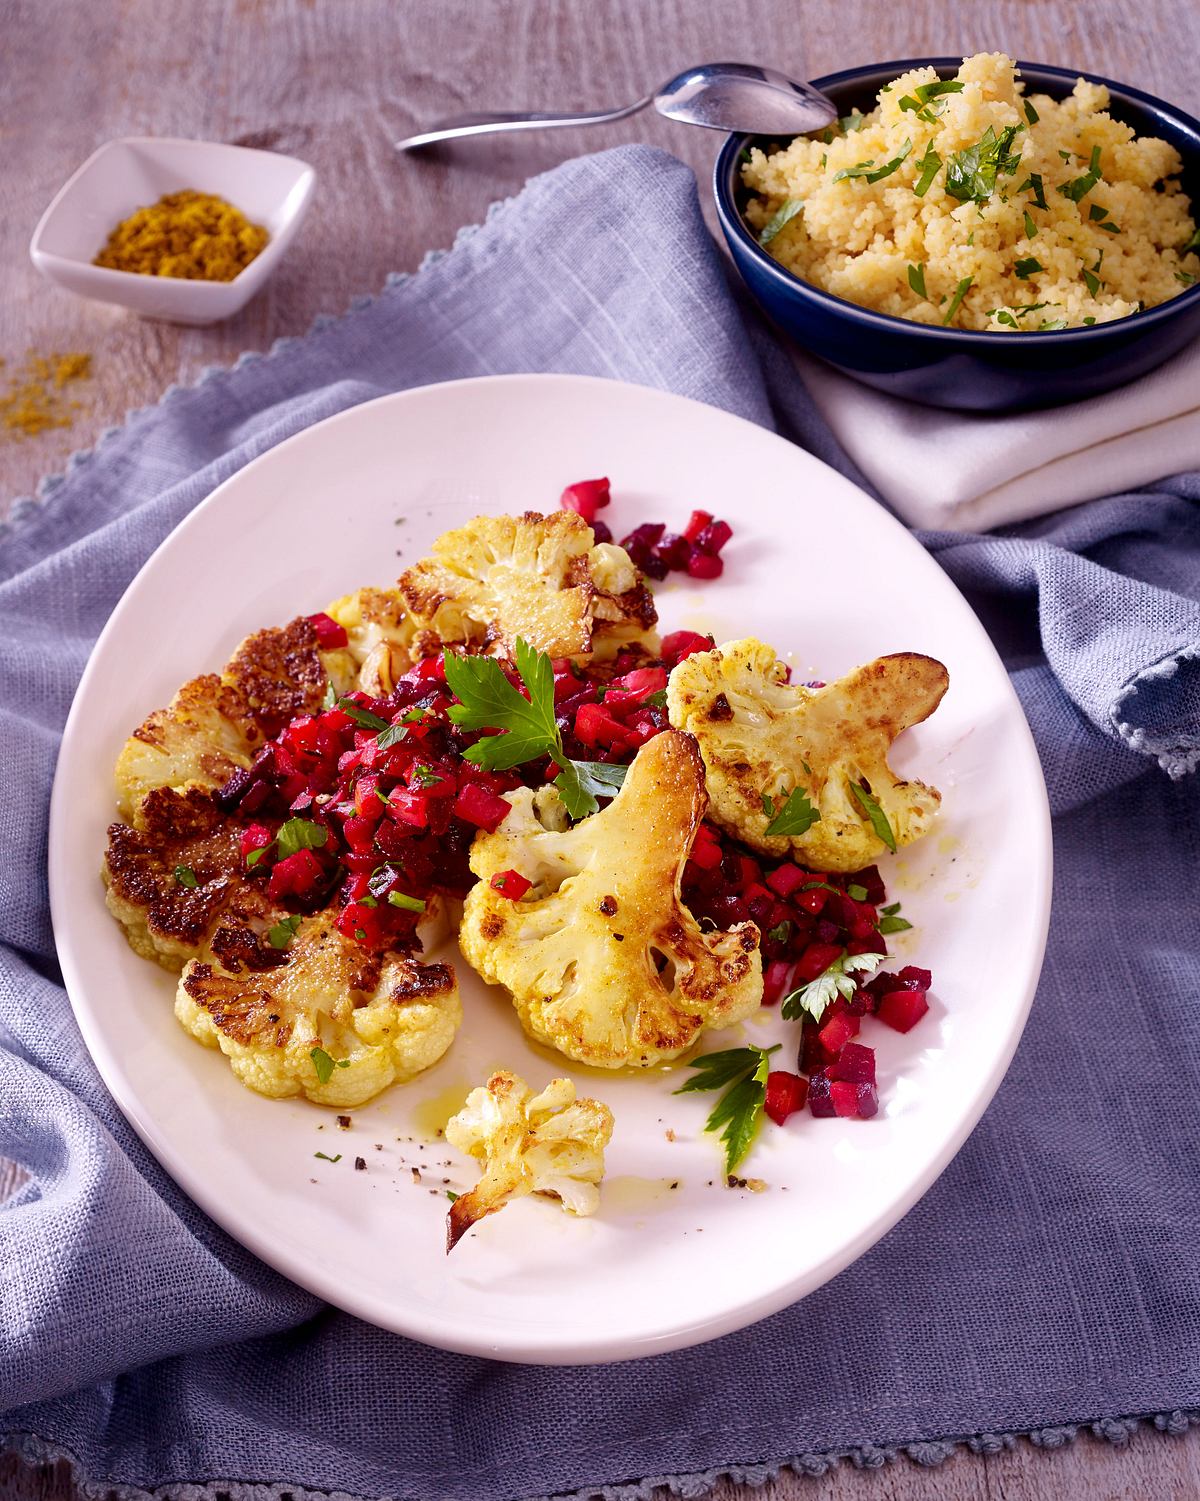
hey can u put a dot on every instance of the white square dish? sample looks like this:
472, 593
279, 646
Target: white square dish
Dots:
128, 174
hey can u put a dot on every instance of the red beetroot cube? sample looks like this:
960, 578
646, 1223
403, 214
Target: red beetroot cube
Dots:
868, 1101
820, 1100
856, 1064
585, 497
813, 899
359, 833
786, 1093
844, 1098
483, 809
775, 981
706, 852
703, 565
698, 521
296, 876
330, 635
813, 1056
902, 1009
510, 883
255, 836
680, 644
837, 1032
785, 879
912, 978
815, 960
713, 537
674, 551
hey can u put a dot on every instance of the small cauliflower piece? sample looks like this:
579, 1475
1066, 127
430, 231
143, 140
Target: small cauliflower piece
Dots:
377, 1020
214, 724
550, 1143
380, 637
759, 735
543, 578
602, 959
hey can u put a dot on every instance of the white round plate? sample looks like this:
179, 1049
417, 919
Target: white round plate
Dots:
674, 1256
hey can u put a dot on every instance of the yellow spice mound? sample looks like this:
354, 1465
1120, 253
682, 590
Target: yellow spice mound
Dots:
186, 234
963, 202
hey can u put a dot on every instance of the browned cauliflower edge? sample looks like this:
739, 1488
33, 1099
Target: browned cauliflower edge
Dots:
550, 1143
602, 959
763, 738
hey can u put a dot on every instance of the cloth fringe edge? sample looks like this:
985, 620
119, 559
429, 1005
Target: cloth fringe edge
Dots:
34, 1451
1178, 755
26, 506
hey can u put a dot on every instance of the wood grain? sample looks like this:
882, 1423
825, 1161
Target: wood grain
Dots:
335, 81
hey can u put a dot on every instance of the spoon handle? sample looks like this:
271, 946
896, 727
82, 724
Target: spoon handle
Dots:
491, 122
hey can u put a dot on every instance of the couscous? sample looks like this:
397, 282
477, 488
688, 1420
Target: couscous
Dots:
963, 202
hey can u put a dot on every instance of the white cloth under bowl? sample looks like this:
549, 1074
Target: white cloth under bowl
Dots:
963, 471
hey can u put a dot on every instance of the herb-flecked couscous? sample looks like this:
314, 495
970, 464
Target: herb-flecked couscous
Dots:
964, 202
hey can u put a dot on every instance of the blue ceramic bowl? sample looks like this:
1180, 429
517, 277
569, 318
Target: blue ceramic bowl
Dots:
951, 367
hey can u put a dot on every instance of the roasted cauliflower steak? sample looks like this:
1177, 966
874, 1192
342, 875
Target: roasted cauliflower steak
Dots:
762, 737
543, 578
550, 1143
602, 959
372, 1020
216, 722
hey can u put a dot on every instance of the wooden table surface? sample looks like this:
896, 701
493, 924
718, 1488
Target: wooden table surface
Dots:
335, 81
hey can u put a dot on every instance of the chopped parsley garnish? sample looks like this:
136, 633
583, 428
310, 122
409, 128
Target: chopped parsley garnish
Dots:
405, 902
414, 716
1088, 322
856, 893
971, 173
325, 1065
1030, 113
295, 835
363, 718
283, 932
1025, 268
1078, 188
960, 292
325, 1158
868, 170
924, 93
1192, 244
186, 876
928, 166
1034, 184
1031, 228
425, 775
784, 214
851, 122
656, 700
451, 1195
782, 932
742, 1074
870, 806
796, 816
1185, 278
838, 979
1052, 323
890, 920
916, 280
488, 701
393, 735
1096, 212
1092, 278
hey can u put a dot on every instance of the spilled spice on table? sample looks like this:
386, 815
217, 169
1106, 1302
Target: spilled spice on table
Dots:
35, 394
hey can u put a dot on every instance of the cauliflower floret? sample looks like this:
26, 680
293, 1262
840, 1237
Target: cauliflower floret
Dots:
603, 960
549, 1143
215, 724
542, 578
380, 637
172, 831
371, 1021
759, 736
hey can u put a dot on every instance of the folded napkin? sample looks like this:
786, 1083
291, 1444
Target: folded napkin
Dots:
965, 471
1050, 1278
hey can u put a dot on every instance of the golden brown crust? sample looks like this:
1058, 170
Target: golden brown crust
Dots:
277, 674
176, 829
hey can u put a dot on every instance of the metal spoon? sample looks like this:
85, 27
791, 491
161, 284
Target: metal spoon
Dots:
719, 96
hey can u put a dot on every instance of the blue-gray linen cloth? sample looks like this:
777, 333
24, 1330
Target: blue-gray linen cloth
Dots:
1051, 1278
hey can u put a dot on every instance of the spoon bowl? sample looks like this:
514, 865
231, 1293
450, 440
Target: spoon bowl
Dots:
717, 96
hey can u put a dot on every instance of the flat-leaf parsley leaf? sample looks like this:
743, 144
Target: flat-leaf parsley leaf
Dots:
742, 1073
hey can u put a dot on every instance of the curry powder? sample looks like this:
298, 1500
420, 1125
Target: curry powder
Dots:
192, 235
